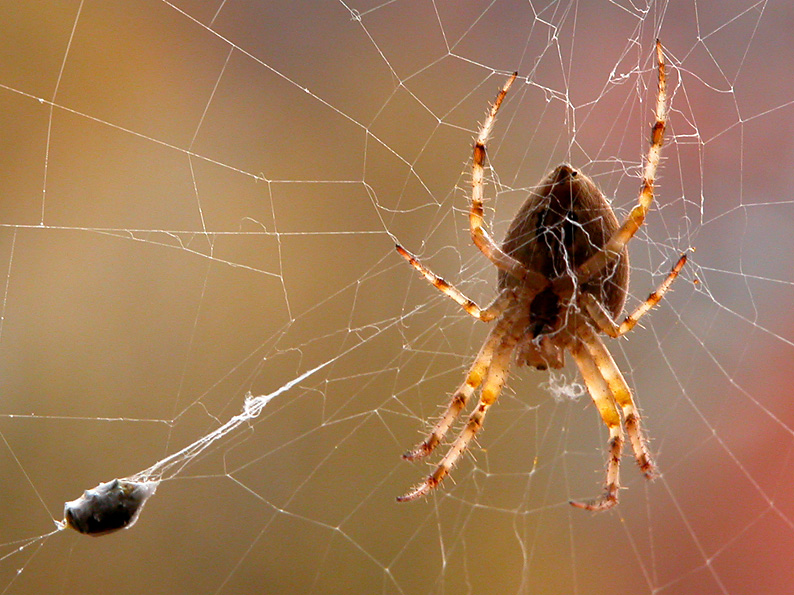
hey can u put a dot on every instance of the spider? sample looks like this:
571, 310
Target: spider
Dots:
563, 275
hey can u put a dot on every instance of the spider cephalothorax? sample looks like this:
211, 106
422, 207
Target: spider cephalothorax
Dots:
563, 278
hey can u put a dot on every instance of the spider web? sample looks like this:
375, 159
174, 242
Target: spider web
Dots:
200, 203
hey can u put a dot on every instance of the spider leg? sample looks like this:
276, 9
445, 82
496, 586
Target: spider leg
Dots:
492, 386
461, 397
485, 314
614, 247
604, 321
602, 397
622, 395
482, 239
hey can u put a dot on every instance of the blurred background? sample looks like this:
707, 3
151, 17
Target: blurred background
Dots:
200, 199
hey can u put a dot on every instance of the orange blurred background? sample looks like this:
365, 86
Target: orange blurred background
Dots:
200, 199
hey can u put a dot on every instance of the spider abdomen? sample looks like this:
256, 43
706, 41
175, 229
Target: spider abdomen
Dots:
565, 220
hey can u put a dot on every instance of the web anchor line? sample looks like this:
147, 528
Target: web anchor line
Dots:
117, 504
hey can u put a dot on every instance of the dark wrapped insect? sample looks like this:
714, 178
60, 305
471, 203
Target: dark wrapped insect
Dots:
108, 507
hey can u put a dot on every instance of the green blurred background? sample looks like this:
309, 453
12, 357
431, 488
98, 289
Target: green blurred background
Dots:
200, 199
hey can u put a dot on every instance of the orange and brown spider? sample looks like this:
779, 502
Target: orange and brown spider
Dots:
563, 279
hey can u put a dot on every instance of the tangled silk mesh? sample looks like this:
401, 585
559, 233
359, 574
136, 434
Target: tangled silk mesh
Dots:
199, 290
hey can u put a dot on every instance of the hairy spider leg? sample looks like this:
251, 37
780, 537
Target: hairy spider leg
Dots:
481, 238
622, 395
602, 397
492, 386
634, 220
485, 314
460, 397
604, 321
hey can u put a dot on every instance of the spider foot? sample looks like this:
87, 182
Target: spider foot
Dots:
605, 502
421, 451
430, 483
419, 491
648, 467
